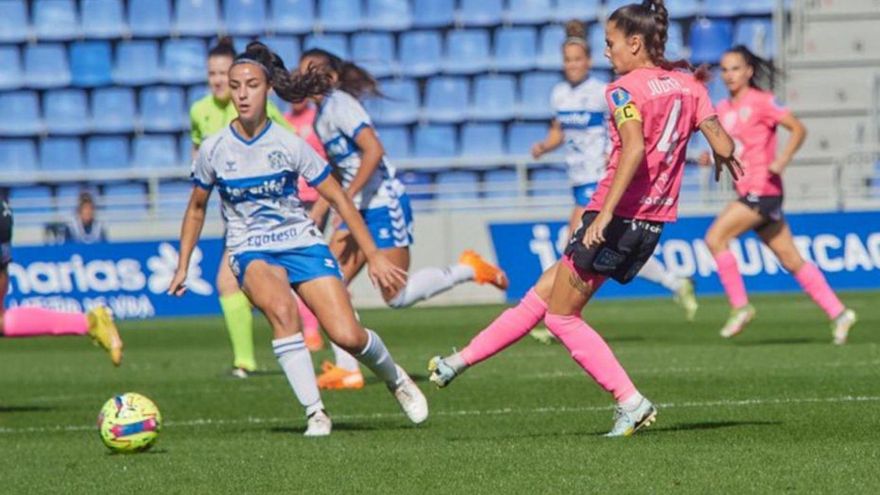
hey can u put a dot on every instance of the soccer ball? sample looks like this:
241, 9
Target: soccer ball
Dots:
129, 423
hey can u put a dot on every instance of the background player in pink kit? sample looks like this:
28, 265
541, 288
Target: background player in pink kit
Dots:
655, 109
751, 116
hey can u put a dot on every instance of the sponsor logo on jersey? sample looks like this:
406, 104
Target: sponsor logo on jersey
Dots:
278, 160
620, 97
230, 166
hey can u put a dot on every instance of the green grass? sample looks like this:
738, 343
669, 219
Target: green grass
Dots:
779, 409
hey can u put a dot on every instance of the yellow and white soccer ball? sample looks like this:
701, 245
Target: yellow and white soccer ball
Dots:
129, 422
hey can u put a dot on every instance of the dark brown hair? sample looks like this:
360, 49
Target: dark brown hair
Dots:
764, 73
576, 34
650, 19
352, 78
290, 87
225, 47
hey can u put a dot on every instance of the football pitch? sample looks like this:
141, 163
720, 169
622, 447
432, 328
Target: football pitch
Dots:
779, 409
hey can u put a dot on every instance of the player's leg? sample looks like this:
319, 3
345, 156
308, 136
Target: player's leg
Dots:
779, 239
736, 219
268, 288
512, 325
239, 319
330, 300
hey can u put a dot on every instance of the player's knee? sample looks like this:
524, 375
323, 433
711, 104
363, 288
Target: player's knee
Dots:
353, 340
282, 312
226, 283
715, 241
792, 262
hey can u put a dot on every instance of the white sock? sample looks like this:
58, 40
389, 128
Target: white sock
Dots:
632, 402
376, 357
429, 282
343, 359
296, 361
654, 271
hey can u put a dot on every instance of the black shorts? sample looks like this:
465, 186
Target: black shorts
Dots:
628, 245
5, 234
769, 207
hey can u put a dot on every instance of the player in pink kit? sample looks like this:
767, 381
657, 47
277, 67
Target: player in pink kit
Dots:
655, 108
752, 116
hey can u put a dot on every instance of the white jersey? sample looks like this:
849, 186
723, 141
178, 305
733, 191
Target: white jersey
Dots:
257, 181
581, 111
339, 119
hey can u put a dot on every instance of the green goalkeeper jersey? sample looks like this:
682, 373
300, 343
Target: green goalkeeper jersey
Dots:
208, 116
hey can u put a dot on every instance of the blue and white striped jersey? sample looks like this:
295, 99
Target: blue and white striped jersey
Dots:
582, 112
257, 180
339, 120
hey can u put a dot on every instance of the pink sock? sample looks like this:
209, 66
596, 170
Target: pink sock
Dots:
590, 351
814, 284
309, 320
512, 325
30, 321
731, 279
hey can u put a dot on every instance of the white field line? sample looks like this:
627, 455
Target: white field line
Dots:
466, 412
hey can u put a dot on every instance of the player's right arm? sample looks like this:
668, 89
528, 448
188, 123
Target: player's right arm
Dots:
554, 139
722, 146
193, 220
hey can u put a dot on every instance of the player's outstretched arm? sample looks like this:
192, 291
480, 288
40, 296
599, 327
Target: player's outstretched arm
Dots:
553, 140
722, 146
382, 272
190, 230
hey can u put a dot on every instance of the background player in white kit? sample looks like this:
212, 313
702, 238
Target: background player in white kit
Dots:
579, 124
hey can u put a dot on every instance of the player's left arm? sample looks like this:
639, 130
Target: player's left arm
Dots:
796, 139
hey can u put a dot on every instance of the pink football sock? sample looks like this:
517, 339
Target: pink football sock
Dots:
309, 320
731, 279
591, 352
512, 325
31, 321
814, 284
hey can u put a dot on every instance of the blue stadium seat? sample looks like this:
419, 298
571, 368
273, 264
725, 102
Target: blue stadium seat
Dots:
196, 17
174, 195
446, 99
515, 49
535, 88
137, 63
155, 151
183, 61
46, 66
757, 7
550, 55
433, 13
722, 9
91, 64
128, 196
457, 184
32, 199
14, 25
185, 147
577, 9
292, 16
244, 17
107, 152
11, 76
675, 48
103, 19
66, 111
149, 18
55, 19
21, 111
679, 9
402, 103
196, 93
529, 11
483, 139
500, 183
336, 44
717, 89
388, 15
596, 40
549, 181
480, 12
374, 52
287, 47
162, 109
61, 153
18, 155
113, 110
522, 135
757, 34
494, 98
709, 38
395, 140
467, 51
418, 184
435, 141
420, 53
340, 15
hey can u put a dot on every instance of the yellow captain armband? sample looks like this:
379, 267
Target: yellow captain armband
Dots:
626, 113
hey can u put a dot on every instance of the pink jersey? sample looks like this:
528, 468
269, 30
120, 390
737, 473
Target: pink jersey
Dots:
302, 125
751, 121
670, 105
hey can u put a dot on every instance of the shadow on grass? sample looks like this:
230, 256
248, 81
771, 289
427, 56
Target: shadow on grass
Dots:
708, 425
371, 379
343, 426
16, 409
146, 452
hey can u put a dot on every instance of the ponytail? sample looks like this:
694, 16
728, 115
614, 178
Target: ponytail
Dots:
225, 47
764, 73
351, 78
290, 87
